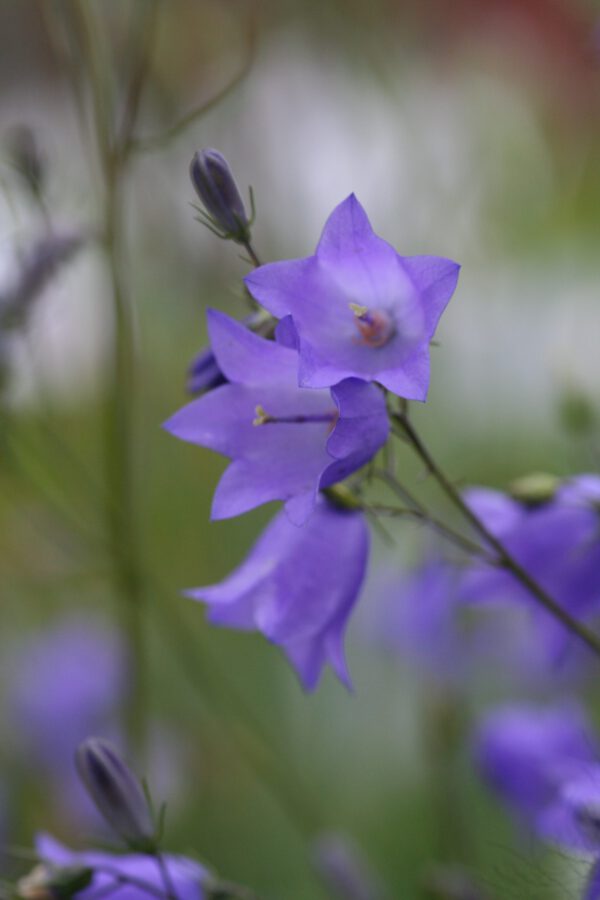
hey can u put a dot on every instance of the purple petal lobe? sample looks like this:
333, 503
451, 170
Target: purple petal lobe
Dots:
298, 587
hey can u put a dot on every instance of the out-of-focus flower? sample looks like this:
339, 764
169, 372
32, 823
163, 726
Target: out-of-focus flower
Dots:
117, 793
527, 754
286, 442
47, 882
555, 539
72, 674
423, 620
358, 307
298, 587
343, 869
215, 185
110, 869
63, 685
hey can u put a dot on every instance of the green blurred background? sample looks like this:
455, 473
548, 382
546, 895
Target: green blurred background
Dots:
467, 129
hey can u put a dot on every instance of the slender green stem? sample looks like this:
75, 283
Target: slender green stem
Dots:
158, 141
418, 511
171, 893
252, 254
504, 557
120, 509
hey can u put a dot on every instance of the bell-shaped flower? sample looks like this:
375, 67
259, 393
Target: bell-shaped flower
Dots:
298, 586
134, 876
286, 442
358, 307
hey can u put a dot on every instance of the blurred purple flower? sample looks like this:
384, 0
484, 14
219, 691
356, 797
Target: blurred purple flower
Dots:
298, 587
64, 684
556, 541
528, 753
285, 442
358, 307
423, 619
186, 874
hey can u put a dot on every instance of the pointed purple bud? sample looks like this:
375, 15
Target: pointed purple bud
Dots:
215, 185
117, 793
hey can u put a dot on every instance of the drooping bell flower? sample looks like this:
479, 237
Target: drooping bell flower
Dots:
359, 308
285, 442
298, 586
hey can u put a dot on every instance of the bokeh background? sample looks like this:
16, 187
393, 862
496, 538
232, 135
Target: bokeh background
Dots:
467, 129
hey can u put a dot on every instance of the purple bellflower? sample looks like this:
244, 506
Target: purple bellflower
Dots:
186, 875
286, 443
527, 754
359, 309
556, 540
298, 587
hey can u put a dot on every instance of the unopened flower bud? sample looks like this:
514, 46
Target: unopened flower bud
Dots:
534, 489
215, 185
117, 793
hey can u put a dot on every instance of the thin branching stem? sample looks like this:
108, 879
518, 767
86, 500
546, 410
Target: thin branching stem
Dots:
504, 557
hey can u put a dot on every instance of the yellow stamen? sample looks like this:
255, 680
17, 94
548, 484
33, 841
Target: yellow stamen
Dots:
358, 310
262, 416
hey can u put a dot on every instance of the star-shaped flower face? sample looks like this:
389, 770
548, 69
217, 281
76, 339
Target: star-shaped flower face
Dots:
298, 587
358, 307
285, 442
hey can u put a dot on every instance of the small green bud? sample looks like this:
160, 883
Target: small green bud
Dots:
534, 489
117, 793
342, 497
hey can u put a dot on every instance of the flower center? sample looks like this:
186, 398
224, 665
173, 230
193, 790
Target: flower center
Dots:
376, 326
